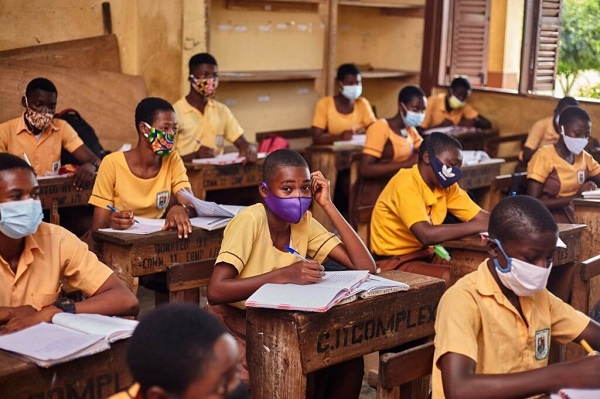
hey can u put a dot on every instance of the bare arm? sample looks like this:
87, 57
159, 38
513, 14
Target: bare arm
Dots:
429, 234
246, 149
527, 154
535, 189
86, 172
371, 166
321, 137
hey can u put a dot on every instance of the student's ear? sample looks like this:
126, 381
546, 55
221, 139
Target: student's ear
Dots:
426, 158
262, 189
155, 392
143, 128
492, 248
24, 101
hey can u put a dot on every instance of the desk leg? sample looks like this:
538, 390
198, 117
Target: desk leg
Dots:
325, 162
54, 216
118, 258
273, 359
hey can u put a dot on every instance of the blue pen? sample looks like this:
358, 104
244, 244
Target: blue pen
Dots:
113, 209
295, 253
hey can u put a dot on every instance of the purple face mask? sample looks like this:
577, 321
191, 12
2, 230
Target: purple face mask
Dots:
290, 209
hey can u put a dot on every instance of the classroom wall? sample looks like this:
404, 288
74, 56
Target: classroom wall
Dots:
505, 36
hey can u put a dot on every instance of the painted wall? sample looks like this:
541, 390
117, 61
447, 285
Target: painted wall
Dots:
505, 35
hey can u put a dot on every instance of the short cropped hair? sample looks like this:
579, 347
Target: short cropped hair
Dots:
564, 103
40, 84
460, 82
347, 69
10, 161
409, 92
281, 159
147, 109
437, 143
199, 59
515, 218
172, 346
570, 114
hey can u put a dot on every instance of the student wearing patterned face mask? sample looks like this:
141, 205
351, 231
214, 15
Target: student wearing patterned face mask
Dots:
38, 137
338, 117
494, 326
148, 180
205, 123
391, 144
253, 253
407, 218
451, 108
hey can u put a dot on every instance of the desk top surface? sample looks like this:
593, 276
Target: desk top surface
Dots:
158, 237
586, 202
199, 166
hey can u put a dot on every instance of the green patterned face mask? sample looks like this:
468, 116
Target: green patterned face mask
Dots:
162, 142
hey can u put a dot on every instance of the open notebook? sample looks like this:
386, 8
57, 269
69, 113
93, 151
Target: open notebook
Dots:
333, 288
230, 158
572, 393
69, 337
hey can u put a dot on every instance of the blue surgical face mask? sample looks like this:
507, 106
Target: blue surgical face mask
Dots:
412, 118
290, 209
446, 175
19, 219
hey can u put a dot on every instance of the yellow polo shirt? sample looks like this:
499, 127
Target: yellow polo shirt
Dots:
248, 247
436, 112
380, 132
328, 118
476, 320
50, 255
407, 200
560, 178
542, 133
211, 129
116, 186
131, 393
44, 151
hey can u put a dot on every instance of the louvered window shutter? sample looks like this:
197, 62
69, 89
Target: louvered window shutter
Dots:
545, 44
469, 40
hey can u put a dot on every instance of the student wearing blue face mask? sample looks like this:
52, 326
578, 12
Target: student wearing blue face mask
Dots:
338, 117
407, 219
253, 253
494, 326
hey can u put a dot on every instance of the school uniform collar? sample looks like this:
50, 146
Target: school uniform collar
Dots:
429, 196
22, 126
26, 257
190, 108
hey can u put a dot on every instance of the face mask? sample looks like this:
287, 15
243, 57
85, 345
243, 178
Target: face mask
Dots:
205, 87
19, 219
445, 175
522, 278
39, 120
290, 209
574, 144
455, 103
352, 92
412, 118
162, 142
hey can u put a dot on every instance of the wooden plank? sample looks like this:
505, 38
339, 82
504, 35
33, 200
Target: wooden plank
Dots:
107, 100
399, 368
61, 191
184, 276
99, 53
204, 178
269, 76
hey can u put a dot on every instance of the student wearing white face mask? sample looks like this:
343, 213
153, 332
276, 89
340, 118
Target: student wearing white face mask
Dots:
391, 144
338, 117
559, 172
493, 327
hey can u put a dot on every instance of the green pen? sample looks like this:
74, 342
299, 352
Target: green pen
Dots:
441, 252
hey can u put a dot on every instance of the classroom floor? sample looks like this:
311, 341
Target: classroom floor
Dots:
146, 299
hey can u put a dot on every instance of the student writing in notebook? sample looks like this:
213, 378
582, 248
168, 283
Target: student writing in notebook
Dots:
35, 257
147, 180
493, 327
180, 351
252, 254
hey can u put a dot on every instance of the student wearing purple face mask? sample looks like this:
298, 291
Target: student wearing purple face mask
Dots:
407, 218
252, 254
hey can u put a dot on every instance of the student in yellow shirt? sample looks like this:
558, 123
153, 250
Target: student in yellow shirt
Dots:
559, 172
390, 144
205, 123
36, 257
148, 180
338, 117
253, 254
192, 357
451, 108
493, 327
39, 138
407, 218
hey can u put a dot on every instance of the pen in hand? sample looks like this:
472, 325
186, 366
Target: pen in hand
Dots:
587, 347
295, 253
113, 209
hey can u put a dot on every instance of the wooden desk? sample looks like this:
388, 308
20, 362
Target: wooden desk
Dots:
205, 178
96, 376
587, 211
134, 255
284, 346
468, 252
478, 139
480, 175
59, 192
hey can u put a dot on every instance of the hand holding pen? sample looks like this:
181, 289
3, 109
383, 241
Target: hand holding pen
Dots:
307, 271
121, 220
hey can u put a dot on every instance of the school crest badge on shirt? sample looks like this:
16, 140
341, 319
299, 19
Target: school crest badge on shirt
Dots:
55, 166
162, 199
581, 176
220, 140
542, 344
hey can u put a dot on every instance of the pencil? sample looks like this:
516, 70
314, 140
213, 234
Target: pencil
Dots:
587, 347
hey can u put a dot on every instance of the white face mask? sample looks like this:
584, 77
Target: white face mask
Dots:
413, 118
19, 219
455, 103
574, 144
522, 278
352, 92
